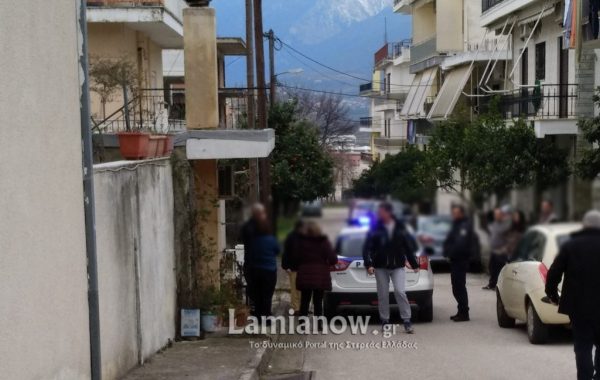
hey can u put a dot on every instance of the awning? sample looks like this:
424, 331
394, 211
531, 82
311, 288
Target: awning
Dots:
453, 86
533, 18
417, 94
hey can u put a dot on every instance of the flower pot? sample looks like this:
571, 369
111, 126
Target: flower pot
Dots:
241, 317
134, 145
210, 322
153, 146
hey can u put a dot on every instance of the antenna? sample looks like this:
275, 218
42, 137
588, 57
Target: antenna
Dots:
385, 33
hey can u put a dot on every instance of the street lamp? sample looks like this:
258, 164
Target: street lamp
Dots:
274, 77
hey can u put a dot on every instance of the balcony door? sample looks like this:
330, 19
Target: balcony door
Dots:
563, 80
524, 103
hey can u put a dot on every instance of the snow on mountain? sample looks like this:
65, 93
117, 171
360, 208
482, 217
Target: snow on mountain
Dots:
326, 18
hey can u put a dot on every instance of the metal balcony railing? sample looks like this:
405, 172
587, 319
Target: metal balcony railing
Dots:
366, 122
487, 4
125, 3
548, 101
366, 88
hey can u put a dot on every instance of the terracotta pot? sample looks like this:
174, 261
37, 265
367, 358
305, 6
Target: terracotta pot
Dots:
134, 145
153, 146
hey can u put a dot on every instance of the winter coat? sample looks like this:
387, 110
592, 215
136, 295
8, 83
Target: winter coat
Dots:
462, 242
579, 261
314, 257
290, 246
381, 251
263, 253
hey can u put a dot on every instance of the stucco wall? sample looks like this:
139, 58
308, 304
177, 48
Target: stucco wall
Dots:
134, 222
43, 282
424, 23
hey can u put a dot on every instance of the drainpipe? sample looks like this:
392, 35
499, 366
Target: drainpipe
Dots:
88, 196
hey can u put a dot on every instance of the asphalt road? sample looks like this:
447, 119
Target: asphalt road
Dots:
442, 349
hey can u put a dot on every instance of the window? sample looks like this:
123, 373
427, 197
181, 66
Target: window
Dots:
540, 61
531, 247
388, 81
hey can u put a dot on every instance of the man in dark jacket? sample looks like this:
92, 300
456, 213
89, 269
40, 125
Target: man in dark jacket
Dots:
579, 262
458, 248
249, 233
387, 248
289, 263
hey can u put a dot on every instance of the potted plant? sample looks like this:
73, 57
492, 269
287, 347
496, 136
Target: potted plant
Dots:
210, 302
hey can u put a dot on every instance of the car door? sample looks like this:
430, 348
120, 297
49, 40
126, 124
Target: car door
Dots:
519, 271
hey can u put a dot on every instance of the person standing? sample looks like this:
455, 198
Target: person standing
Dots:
514, 235
248, 234
289, 262
594, 6
547, 215
459, 247
387, 248
499, 256
314, 257
579, 261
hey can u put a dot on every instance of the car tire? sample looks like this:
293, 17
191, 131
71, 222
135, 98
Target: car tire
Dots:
426, 310
504, 320
537, 331
329, 307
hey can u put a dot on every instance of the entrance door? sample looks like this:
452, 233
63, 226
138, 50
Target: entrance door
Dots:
524, 103
563, 80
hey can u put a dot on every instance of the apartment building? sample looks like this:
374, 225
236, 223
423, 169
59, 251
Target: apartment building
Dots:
388, 91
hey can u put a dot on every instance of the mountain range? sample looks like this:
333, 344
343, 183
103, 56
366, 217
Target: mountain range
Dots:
342, 34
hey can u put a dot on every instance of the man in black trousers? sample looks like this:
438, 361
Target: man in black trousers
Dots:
459, 247
579, 262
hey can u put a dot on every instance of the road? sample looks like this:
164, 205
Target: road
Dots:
444, 350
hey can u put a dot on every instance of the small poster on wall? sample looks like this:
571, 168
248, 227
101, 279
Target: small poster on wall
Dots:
190, 322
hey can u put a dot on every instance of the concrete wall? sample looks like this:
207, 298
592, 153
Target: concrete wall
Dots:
424, 23
449, 18
43, 282
134, 222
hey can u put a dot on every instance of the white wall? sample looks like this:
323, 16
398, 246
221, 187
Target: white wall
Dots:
134, 221
43, 282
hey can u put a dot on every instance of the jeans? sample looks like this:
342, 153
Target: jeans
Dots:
458, 278
593, 17
317, 299
586, 335
398, 277
261, 288
497, 262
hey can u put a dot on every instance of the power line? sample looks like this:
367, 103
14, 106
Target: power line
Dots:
317, 71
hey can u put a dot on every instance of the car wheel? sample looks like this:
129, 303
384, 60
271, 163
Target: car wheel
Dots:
504, 320
426, 310
329, 307
537, 332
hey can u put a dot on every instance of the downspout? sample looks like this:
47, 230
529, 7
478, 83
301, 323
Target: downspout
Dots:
89, 200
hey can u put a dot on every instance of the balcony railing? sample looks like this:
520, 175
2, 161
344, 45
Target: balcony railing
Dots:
548, 101
487, 4
125, 3
392, 51
424, 50
366, 122
366, 88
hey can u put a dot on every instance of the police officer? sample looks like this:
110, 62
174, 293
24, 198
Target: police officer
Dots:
579, 262
459, 247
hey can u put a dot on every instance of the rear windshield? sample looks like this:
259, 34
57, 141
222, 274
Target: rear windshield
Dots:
435, 226
351, 245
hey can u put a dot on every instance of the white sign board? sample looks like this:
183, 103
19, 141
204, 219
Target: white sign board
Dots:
190, 322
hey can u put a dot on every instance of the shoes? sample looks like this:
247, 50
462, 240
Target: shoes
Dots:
408, 328
487, 287
461, 318
384, 322
454, 316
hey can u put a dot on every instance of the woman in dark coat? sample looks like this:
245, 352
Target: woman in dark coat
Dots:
315, 256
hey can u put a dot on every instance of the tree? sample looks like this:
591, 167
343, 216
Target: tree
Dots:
328, 112
398, 175
588, 167
302, 169
486, 157
111, 75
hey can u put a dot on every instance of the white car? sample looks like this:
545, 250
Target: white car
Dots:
353, 287
521, 285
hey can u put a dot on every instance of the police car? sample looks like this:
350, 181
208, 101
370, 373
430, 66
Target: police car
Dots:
354, 288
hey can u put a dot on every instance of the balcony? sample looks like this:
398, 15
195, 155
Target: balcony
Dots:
495, 10
366, 89
545, 102
424, 55
403, 6
390, 143
392, 51
161, 20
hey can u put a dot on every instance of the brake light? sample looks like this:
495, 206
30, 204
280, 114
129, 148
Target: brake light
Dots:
340, 266
424, 262
543, 272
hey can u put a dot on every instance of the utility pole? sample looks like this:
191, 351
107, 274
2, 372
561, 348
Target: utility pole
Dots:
271, 36
264, 164
250, 100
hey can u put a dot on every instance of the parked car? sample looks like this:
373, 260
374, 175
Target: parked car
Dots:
431, 233
521, 283
353, 287
312, 209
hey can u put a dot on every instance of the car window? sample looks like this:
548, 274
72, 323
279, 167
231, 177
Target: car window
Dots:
351, 245
562, 239
435, 226
531, 247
